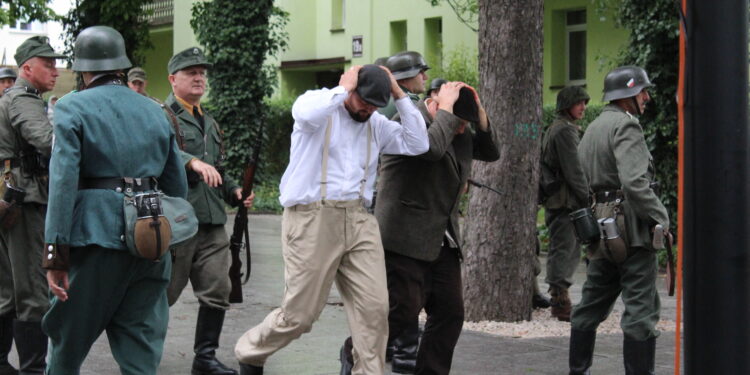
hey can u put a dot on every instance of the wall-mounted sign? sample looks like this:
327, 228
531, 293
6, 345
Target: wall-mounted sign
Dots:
357, 46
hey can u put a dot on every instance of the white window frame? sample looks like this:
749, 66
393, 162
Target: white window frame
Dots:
568, 30
36, 27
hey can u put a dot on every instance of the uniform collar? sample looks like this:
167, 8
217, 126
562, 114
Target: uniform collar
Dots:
188, 107
26, 85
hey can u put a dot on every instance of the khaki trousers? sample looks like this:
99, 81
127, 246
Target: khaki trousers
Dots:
323, 242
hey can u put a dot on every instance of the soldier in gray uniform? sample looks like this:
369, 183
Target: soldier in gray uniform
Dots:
620, 170
25, 144
566, 191
410, 71
7, 78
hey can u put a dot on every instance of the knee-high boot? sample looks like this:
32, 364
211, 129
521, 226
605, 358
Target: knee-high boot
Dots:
581, 351
639, 356
207, 332
31, 344
6, 342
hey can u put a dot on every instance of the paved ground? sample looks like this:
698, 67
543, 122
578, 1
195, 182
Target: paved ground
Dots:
317, 352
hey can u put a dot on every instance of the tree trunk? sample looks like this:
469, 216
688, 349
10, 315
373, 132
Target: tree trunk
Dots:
500, 230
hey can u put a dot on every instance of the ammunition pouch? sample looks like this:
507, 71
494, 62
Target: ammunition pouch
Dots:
613, 244
34, 164
10, 205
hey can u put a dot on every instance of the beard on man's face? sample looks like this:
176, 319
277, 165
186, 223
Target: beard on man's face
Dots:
358, 116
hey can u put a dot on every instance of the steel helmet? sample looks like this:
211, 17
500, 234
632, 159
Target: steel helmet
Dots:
100, 49
435, 85
406, 64
625, 82
569, 96
7, 73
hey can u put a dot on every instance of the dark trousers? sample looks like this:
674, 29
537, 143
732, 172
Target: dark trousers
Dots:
436, 286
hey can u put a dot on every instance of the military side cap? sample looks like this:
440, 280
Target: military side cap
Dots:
7, 73
466, 107
36, 46
190, 57
137, 74
373, 85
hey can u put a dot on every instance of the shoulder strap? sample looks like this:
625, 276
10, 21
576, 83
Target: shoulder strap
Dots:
175, 125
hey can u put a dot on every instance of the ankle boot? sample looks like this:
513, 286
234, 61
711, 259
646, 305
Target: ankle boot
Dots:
639, 356
6, 342
404, 360
581, 351
207, 332
561, 305
31, 344
246, 369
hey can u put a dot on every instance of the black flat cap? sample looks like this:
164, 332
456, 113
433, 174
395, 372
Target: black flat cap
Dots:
373, 85
466, 107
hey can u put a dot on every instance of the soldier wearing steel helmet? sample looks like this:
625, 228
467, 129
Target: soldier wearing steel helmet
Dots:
410, 71
25, 143
107, 139
567, 191
620, 171
7, 78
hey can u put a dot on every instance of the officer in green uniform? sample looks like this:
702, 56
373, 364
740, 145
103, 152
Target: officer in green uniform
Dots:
620, 170
205, 259
7, 79
105, 135
25, 143
410, 71
569, 192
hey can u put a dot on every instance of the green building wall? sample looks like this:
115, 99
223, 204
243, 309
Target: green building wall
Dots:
320, 45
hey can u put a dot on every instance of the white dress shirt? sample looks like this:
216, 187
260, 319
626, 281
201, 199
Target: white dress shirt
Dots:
348, 146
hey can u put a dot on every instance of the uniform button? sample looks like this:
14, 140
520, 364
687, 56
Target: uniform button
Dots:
50, 248
50, 256
122, 237
128, 190
118, 189
205, 153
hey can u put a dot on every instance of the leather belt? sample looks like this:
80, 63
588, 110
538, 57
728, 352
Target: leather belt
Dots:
118, 184
606, 196
12, 163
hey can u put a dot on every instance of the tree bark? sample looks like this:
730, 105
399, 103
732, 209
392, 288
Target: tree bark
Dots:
500, 230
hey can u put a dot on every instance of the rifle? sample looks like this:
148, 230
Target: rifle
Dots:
241, 233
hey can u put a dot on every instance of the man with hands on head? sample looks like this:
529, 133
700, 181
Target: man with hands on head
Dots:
204, 260
417, 212
327, 233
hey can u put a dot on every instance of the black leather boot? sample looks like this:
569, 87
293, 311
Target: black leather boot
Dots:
6, 342
207, 332
404, 360
639, 356
345, 357
246, 369
581, 351
31, 344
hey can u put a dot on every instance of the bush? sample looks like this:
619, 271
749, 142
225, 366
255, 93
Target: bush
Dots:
461, 64
267, 198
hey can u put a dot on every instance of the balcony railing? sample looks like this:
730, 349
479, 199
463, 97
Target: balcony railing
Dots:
159, 12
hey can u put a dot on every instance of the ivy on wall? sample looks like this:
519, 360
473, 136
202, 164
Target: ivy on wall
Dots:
238, 36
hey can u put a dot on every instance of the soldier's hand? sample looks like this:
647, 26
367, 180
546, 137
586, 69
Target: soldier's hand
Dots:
248, 203
395, 88
210, 175
57, 281
448, 95
348, 80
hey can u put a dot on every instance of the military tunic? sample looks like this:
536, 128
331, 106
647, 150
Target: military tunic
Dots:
24, 129
103, 132
614, 155
204, 259
560, 155
390, 110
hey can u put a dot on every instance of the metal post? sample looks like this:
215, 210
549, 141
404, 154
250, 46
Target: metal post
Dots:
716, 201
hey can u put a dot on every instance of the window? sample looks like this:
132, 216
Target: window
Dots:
34, 26
575, 47
338, 13
398, 37
433, 41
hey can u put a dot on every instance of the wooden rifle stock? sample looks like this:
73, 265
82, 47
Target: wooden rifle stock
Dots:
241, 234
